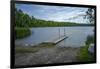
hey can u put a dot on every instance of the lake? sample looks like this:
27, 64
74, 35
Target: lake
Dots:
76, 35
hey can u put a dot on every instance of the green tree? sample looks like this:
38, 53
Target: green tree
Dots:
90, 14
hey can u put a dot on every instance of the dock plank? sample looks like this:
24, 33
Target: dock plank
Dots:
55, 41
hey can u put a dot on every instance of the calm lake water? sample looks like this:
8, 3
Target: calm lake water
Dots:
76, 35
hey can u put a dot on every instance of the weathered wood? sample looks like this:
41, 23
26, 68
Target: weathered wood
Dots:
57, 40
60, 39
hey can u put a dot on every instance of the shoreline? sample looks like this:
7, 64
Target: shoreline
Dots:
46, 54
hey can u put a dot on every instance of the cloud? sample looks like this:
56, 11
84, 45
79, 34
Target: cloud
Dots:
54, 13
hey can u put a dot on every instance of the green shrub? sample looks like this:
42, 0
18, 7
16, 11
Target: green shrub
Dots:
21, 32
90, 39
84, 55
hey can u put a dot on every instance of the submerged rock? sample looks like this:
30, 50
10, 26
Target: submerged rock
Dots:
91, 48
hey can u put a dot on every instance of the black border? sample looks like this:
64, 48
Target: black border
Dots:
12, 51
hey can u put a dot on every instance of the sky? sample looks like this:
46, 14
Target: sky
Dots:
54, 13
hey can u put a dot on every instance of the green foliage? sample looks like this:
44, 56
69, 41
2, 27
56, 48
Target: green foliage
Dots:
21, 32
84, 55
90, 39
22, 19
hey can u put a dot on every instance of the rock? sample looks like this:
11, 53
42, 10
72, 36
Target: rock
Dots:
91, 48
26, 44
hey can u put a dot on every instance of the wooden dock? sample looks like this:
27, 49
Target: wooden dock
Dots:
55, 41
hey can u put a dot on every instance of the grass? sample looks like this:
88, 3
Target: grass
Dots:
21, 32
26, 50
45, 45
84, 55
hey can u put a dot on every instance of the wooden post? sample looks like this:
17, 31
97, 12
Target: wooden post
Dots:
64, 32
59, 32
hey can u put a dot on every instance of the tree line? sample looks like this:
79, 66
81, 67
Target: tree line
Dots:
24, 20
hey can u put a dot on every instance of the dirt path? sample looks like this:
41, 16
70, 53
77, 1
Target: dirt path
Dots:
48, 56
